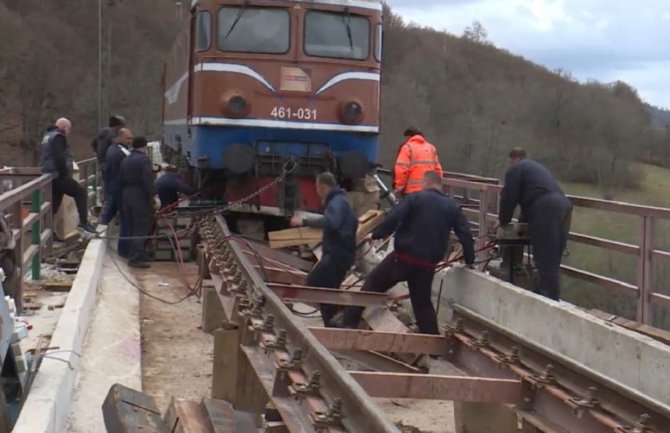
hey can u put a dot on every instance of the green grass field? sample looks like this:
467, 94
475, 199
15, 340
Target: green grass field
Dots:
654, 191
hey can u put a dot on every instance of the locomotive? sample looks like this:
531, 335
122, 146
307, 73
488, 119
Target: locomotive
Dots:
265, 94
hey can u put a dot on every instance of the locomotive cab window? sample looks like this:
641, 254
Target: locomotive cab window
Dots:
337, 35
254, 30
203, 31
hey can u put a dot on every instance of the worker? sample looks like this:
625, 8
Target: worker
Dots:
548, 212
170, 185
415, 157
422, 223
10, 280
57, 159
339, 224
105, 138
137, 195
116, 153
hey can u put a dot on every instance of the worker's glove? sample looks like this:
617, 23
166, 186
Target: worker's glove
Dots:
155, 203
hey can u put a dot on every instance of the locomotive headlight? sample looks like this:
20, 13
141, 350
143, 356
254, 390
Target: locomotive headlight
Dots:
351, 112
237, 105
234, 104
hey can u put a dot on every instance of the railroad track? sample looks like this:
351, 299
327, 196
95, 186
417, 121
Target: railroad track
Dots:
313, 392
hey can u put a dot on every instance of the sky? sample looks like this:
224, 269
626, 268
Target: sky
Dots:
605, 40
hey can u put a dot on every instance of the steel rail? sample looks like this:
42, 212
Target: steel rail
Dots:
558, 390
335, 386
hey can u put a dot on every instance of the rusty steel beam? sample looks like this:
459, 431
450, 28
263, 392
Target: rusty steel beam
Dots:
307, 294
285, 258
554, 393
437, 387
321, 392
376, 361
385, 342
273, 274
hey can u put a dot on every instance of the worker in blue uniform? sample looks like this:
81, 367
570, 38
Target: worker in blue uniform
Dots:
170, 185
138, 195
116, 153
422, 223
57, 159
548, 212
339, 224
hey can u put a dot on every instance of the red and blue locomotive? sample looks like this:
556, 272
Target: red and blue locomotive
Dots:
255, 87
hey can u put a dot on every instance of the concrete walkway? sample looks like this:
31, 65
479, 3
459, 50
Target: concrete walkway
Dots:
112, 351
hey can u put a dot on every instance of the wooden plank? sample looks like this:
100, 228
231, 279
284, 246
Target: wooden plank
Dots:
294, 237
221, 415
368, 222
128, 411
655, 333
187, 417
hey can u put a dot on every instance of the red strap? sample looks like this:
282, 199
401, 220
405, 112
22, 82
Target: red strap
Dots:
414, 261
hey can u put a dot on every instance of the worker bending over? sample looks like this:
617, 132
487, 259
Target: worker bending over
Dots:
138, 195
415, 157
548, 212
339, 224
422, 224
170, 185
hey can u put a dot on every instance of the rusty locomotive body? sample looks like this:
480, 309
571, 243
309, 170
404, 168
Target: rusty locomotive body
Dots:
258, 87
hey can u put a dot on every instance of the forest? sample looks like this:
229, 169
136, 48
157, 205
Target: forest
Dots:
472, 99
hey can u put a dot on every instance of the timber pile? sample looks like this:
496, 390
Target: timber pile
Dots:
126, 410
311, 237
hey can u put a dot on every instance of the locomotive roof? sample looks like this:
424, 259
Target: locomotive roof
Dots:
365, 4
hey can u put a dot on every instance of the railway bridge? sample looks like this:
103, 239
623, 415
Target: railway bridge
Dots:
511, 361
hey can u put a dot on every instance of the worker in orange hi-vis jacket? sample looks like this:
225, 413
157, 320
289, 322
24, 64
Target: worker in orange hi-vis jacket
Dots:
415, 158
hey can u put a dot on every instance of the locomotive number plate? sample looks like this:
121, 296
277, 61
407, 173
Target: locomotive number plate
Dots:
294, 113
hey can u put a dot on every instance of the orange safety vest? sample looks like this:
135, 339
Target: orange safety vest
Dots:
415, 158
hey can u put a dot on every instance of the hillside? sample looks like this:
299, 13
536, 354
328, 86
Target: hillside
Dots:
473, 100
50, 68
660, 117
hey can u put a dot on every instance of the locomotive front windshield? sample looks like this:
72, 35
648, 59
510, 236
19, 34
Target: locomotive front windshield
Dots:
337, 35
254, 30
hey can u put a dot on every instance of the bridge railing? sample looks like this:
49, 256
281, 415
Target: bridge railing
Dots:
26, 202
481, 205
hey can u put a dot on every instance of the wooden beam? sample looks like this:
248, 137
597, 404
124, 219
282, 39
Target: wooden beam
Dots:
294, 237
437, 387
126, 410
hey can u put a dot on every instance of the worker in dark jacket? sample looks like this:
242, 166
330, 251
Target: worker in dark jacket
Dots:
548, 212
339, 224
170, 185
116, 153
105, 138
422, 223
10, 280
138, 195
56, 158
